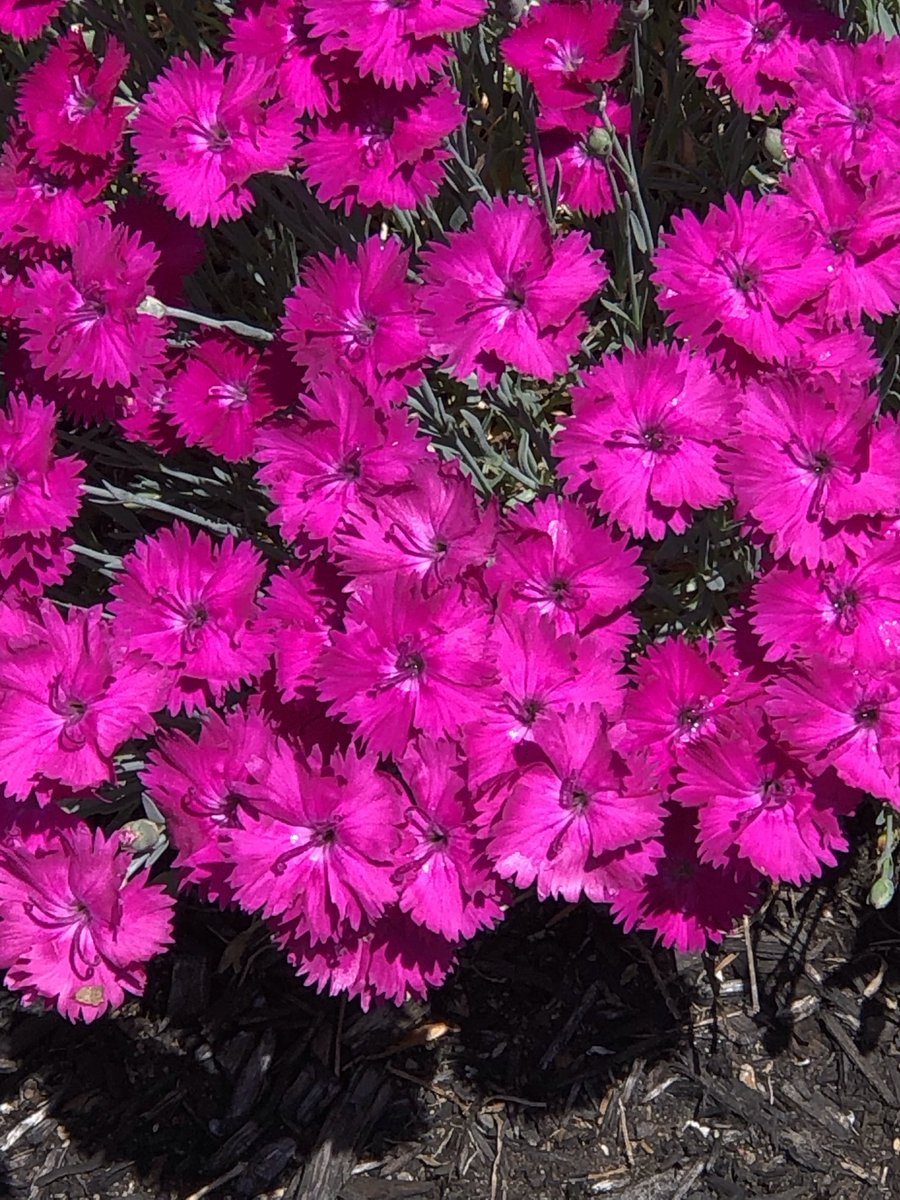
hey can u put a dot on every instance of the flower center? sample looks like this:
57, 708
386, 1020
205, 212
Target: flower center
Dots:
564, 56
765, 32
79, 103
230, 395
573, 794
866, 714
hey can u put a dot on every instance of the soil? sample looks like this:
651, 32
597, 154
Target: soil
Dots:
564, 1059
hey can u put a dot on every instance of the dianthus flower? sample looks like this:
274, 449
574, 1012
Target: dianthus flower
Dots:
358, 315
26, 19
191, 605
70, 695
741, 275
444, 879
645, 436
205, 128
381, 147
408, 663
755, 798
300, 610
842, 717
220, 396
751, 47
507, 292
199, 787
576, 147
856, 226
397, 44
320, 850
276, 33
847, 106
563, 49
76, 931
318, 466
39, 493
81, 319
389, 959
431, 528
849, 612
67, 103
141, 413
808, 466
576, 821
551, 558
686, 903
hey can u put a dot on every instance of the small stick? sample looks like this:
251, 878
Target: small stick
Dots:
211, 1187
751, 966
623, 1125
495, 1168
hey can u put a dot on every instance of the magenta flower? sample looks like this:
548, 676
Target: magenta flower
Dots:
76, 932
70, 695
299, 611
397, 45
847, 105
576, 147
645, 436
444, 878
855, 225
751, 47
563, 49
205, 128
741, 275
753, 797
849, 612
275, 32
551, 558
220, 396
842, 717
359, 315
807, 466
381, 147
66, 102
200, 789
577, 820
81, 319
26, 19
431, 528
408, 664
507, 292
319, 466
321, 850
190, 604
141, 413
687, 903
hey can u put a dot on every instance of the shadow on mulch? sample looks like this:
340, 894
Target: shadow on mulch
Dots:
563, 1060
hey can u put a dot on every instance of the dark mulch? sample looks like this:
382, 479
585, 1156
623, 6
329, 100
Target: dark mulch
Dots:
563, 1060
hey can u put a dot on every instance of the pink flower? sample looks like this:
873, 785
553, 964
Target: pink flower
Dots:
359, 315
26, 19
645, 436
576, 147
275, 32
66, 102
76, 931
576, 820
39, 492
807, 466
687, 903
141, 412
220, 396
507, 292
81, 319
430, 528
551, 558
205, 128
444, 878
563, 49
753, 797
70, 695
407, 663
847, 105
190, 604
321, 850
856, 226
849, 612
319, 466
741, 276
842, 717
200, 789
751, 47
299, 612
390, 959
381, 147
396, 44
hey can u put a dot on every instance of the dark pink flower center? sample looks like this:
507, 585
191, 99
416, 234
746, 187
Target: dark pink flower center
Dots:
210, 136
9, 481
765, 32
230, 395
775, 793
564, 56
79, 103
866, 714
527, 711
653, 438
844, 604
573, 794
73, 708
